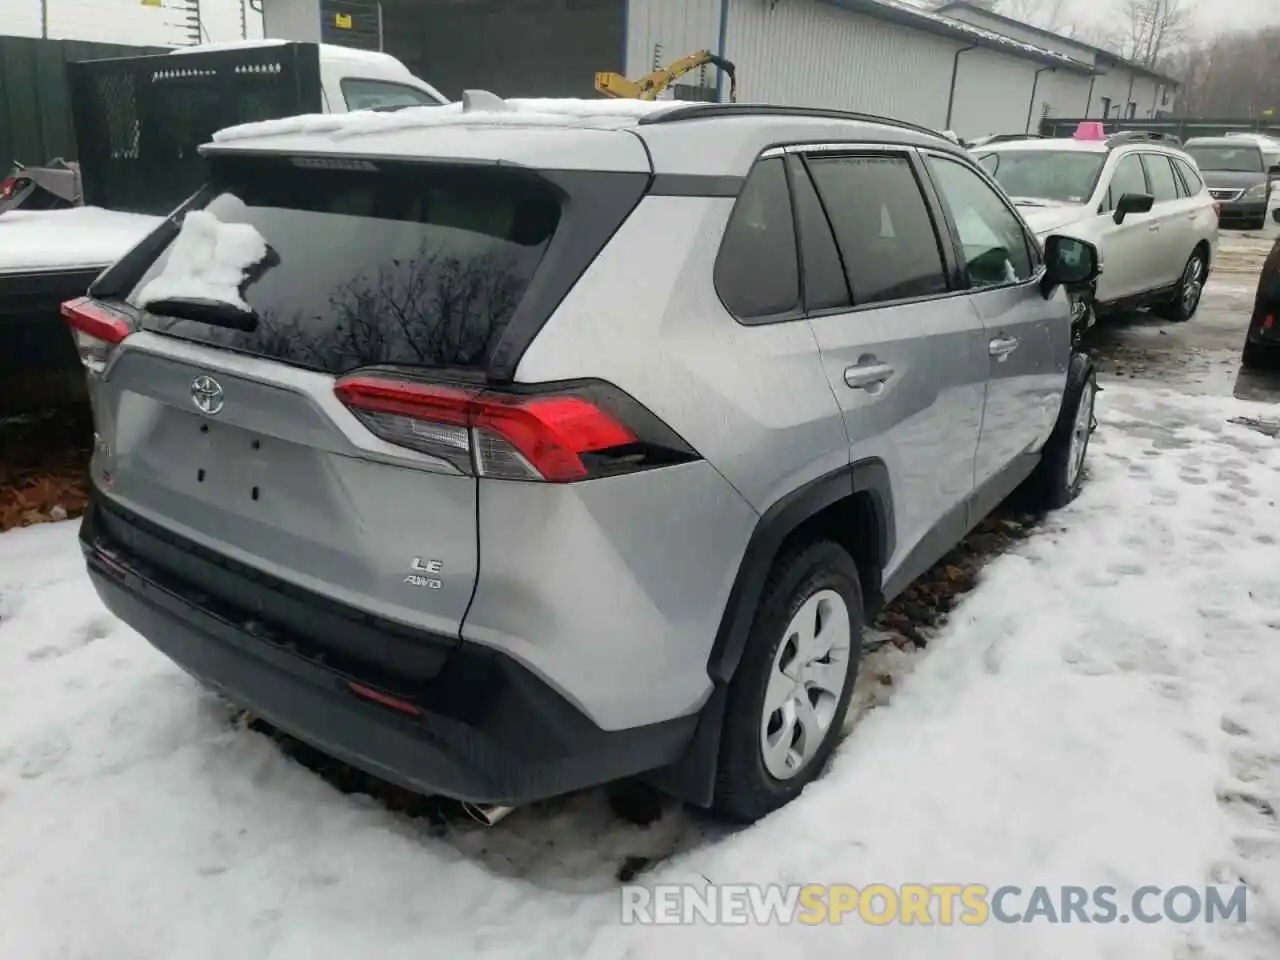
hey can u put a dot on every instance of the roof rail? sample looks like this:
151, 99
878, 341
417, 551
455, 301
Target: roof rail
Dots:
704, 111
1010, 138
1151, 136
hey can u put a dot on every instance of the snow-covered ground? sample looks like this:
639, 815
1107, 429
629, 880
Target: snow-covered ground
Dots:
1103, 709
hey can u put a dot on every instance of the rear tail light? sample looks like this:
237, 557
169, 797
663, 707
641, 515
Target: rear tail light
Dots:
1268, 321
557, 436
10, 186
96, 329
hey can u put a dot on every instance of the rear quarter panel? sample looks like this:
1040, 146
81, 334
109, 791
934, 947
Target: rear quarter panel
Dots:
614, 589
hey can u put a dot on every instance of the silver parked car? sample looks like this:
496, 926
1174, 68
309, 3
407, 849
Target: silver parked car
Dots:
511, 447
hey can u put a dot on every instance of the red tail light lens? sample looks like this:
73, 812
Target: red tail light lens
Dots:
96, 329
557, 437
11, 185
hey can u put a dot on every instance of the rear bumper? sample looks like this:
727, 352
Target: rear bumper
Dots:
484, 729
1238, 213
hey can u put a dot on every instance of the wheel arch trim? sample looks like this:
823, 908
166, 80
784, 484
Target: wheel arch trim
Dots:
693, 779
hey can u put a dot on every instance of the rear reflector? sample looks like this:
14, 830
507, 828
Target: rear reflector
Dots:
96, 329
386, 700
558, 437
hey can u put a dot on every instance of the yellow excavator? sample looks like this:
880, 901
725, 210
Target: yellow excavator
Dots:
650, 86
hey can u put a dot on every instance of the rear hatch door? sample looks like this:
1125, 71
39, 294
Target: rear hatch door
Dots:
224, 426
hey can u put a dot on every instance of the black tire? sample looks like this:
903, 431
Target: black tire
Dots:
1257, 356
745, 790
1184, 305
1052, 484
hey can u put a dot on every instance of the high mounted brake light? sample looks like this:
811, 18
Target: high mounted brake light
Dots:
97, 331
557, 437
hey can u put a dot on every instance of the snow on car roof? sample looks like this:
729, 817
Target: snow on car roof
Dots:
1050, 144
82, 237
477, 108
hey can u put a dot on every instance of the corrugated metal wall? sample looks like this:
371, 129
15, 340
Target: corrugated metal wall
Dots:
810, 53
1061, 94
35, 102
659, 31
1123, 86
1028, 34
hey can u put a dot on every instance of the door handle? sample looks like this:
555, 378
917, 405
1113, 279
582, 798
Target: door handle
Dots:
864, 376
1001, 347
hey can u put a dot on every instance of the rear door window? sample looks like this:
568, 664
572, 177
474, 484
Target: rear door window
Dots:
412, 265
825, 285
1189, 176
1160, 175
756, 271
882, 224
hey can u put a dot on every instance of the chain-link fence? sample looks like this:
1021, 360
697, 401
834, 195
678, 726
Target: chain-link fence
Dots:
140, 124
35, 98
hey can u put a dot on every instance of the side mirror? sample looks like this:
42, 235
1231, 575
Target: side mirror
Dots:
1133, 203
1069, 262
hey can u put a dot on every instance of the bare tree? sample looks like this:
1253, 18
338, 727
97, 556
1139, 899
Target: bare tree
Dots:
1153, 28
1046, 14
1232, 76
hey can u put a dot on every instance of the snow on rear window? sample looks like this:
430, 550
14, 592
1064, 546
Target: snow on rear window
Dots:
413, 265
209, 260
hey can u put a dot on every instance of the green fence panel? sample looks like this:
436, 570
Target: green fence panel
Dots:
35, 99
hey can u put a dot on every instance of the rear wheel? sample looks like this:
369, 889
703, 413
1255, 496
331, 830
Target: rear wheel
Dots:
1186, 300
788, 698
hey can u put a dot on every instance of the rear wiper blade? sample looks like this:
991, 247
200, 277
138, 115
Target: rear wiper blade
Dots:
216, 313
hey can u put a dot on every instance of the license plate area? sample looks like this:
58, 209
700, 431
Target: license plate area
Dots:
229, 464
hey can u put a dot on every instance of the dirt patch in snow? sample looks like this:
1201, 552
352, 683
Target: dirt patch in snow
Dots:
44, 471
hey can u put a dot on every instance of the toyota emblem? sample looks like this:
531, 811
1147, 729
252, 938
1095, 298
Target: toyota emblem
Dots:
206, 394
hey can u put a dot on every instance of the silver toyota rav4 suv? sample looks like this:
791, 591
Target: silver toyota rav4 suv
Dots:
507, 448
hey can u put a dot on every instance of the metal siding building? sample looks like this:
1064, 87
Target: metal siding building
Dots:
879, 58
1118, 82
876, 56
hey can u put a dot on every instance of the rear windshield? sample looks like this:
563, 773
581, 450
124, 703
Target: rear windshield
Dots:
1242, 159
410, 265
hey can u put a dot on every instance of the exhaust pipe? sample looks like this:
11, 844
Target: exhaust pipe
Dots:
487, 813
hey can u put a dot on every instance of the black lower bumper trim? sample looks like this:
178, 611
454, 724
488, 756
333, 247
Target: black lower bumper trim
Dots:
489, 731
